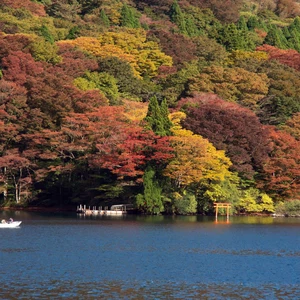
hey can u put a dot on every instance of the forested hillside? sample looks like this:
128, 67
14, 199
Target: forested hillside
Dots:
169, 105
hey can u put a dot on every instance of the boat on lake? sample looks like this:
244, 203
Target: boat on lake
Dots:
10, 224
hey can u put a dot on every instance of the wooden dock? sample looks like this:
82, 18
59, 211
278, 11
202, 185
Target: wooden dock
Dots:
115, 210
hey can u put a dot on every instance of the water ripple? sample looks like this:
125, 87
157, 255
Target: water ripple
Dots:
17, 250
147, 290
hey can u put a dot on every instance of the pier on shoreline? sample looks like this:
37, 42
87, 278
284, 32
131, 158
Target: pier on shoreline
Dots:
119, 209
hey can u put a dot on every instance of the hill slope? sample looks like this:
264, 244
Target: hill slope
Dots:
76, 80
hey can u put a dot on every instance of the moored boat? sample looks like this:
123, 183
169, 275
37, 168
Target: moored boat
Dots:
10, 224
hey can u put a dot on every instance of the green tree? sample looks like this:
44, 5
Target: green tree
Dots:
191, 28
289, 208
292, 36
276, 38
151, 200
44, 31
234, 39
74, 32
295, 24
164, 110
157, 117
242, 24
104, 18
42, 50
227, 190
283, 99
103, 81
185, 204
129, 86
252, 200
177, 16
252, 23
128, 17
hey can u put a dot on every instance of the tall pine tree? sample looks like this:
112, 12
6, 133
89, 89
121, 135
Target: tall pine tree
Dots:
104, 18
157, 117
128, 17
276, 38
177, 16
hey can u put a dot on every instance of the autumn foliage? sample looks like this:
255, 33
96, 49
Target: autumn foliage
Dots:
287, 57
231, 128
35, 8
169, 105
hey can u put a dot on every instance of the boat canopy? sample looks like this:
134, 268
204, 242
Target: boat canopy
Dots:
122, 207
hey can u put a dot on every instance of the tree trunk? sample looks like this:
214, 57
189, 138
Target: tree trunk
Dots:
17, 193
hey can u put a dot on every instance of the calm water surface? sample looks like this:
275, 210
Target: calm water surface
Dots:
65, 256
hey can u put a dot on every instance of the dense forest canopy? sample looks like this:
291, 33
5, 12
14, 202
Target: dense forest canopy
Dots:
171, 105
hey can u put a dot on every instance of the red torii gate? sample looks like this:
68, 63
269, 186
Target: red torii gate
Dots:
222, 205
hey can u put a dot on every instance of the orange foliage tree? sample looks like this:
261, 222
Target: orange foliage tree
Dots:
292, 126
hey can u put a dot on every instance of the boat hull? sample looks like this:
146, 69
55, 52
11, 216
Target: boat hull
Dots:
10, 225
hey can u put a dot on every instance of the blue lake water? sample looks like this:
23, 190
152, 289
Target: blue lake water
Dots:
65, 256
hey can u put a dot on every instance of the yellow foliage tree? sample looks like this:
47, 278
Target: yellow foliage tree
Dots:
135, 111
42, 50
196, 159
241, 55
130, 45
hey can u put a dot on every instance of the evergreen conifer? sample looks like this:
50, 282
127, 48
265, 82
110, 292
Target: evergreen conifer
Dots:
177, 16
242, 24
276, 38
151, 200
157, 117
46, 34
104, 18
128, 18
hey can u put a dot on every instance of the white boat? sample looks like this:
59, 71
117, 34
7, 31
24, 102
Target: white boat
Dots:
10, 224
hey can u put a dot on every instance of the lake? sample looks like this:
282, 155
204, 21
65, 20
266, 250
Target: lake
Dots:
67, 256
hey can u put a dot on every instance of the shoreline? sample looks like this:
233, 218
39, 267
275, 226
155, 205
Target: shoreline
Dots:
40, 209
72, 209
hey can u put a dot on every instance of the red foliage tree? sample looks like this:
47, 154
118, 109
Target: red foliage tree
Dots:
49, 89
35, 8
13, 117
229, 127
179, 47
15, 171
104, 138
74, 62
17, 66
281, 172
287, 8
123, 147
13, 42
12, 101
226, 11
289, 57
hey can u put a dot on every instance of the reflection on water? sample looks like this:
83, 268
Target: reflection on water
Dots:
149, 257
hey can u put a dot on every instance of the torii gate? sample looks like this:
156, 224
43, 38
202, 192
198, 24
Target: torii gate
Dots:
222, 205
